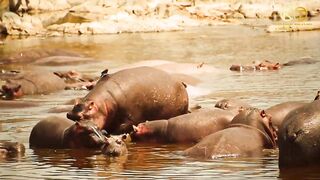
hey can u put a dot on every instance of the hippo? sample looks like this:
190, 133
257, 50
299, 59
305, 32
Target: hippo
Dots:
279, 111
57, 132
129, 97
115, 146
31, 83
232, 105
256, 66
299, 137
8, 148
186, 128
31, 55
248, 134
60, 133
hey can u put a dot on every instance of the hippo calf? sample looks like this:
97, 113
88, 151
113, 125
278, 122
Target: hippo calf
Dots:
249, 133
115, 146
186, 128
129, 97
299, 137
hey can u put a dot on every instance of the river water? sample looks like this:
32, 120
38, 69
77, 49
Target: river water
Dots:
215, 46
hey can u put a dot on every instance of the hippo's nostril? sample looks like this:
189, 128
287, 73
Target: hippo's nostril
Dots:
73, 117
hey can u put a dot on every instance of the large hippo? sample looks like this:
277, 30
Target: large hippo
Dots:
299, 137
186, 128
249, 133
56, 132
131, 96
279, 111
30, 83
232, 105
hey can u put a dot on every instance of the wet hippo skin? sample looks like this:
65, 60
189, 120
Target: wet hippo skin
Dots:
232, 105
31, 83
248, 134
279, 111
11, 149
131, 96
57, 132
299, 137
186, 128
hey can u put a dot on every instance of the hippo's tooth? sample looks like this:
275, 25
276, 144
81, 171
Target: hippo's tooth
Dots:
135, 128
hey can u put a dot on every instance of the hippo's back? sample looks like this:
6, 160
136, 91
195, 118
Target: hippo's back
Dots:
48, 133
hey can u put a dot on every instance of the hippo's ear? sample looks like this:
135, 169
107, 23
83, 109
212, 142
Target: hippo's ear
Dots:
17, 88
241, 108
91, 105
59, 74
263, 114
104, 73
77, 101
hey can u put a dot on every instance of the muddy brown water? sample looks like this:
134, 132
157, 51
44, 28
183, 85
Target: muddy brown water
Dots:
217, 46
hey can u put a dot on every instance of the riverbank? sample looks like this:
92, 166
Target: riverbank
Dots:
56, 18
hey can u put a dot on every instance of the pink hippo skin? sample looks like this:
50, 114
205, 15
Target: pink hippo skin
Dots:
249, 133
131, 96
186, 128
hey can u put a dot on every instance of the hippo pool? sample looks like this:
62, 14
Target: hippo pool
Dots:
214, 46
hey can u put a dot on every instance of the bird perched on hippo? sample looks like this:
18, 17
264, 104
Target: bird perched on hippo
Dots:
129, 97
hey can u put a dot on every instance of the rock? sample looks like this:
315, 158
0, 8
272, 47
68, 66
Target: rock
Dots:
26, 25
48, 5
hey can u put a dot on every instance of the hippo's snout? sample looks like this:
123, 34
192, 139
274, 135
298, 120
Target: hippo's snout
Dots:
74, 117
77, 113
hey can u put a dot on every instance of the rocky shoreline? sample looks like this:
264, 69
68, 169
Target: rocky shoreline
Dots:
56, 18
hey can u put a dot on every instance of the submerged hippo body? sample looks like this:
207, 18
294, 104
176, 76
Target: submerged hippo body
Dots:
299, 137
56, 132
32, 83
186, 128
248, 134
131, 96
232, 105
279, 112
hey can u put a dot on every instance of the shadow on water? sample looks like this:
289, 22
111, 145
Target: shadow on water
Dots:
217, 46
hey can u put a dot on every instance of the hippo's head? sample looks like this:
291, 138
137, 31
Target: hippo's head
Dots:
267, 65
150, 130
83, 134
258, 119
232, 105
11, 149
115, 146
86, 110
11, 91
